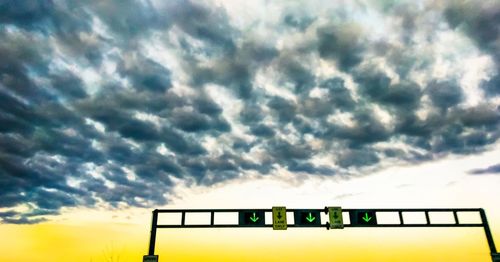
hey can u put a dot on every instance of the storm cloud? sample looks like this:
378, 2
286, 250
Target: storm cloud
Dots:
495, 169
116, 102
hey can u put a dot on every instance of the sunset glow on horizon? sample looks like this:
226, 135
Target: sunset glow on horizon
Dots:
112, 109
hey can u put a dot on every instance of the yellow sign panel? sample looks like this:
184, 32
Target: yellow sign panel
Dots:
279, 218
335, 214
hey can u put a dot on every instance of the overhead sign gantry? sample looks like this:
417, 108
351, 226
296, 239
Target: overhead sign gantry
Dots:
312, 218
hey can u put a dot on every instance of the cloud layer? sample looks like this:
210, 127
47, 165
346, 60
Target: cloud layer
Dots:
107, 104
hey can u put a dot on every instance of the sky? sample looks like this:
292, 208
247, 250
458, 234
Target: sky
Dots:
110, 109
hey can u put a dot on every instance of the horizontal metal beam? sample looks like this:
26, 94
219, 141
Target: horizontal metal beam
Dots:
322, 209
417, 209
209, 210
322, 226
419, 225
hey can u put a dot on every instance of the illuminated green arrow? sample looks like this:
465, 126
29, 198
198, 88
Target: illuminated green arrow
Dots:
366, 218
254, 218
310, 218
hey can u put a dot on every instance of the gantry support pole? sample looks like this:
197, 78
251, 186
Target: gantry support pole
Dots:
152, 238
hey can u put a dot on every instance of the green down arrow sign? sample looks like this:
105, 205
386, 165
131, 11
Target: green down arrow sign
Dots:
254, 218
367, 218
363, 218
310, 218
307, 218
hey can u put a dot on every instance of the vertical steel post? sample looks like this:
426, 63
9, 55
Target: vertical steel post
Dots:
152, 238
487, 231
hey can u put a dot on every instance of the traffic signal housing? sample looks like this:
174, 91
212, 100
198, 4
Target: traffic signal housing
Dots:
252, 218
307, 218
363, 218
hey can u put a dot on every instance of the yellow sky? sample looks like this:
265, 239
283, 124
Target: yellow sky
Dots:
96, 242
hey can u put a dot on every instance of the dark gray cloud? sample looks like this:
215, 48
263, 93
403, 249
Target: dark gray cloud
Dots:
234, 64
495, 169
251, 114
480, 23
285, 109
207, 106
492, 86
190, 121
368, 129
485, 115
372, 83
129, 19
263, 131
69, 22
342, 43
294, 72
69, 85
145, 74
18, 55
297, 166
357, 158
297, 21
234, 70
12, 217
283, 151
232, 74
208, 169
204, 22
340, 96
444, 94
25, 14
